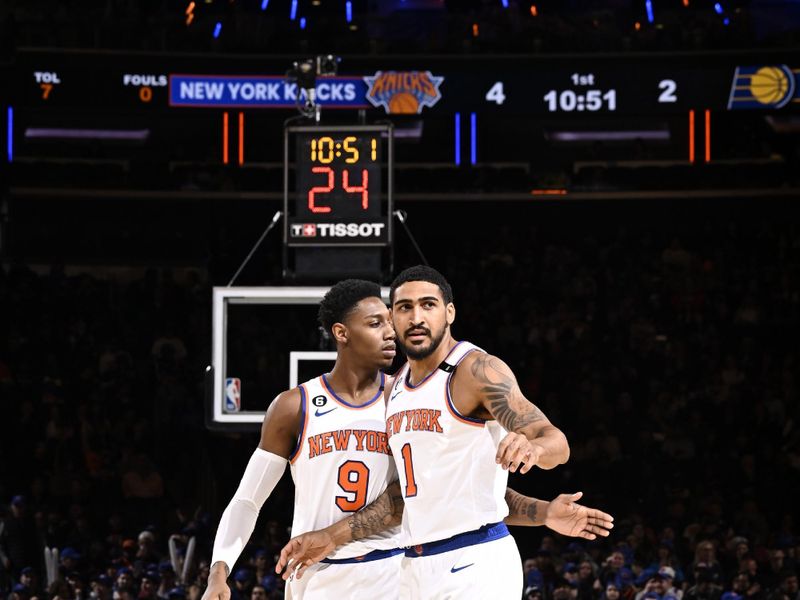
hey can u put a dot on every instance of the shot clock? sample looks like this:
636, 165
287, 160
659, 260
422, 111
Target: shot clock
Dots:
338, 187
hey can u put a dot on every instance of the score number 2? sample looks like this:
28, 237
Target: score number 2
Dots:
362, 189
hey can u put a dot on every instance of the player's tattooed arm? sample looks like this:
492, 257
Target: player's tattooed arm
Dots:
309, 548
523, 510
385, 512
562, 514
500, 395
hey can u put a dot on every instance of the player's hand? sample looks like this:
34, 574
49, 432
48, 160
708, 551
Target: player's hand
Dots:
217, 588
303, 551
517, 452
567, 517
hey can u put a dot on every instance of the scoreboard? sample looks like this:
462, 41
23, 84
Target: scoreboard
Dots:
619, 84
342, 192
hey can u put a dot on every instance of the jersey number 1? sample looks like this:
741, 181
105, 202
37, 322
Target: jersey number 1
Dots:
408, 464
353, 479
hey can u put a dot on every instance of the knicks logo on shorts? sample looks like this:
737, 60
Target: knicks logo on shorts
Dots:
403, 92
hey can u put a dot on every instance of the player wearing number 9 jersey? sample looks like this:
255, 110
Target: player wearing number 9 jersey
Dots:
333, 433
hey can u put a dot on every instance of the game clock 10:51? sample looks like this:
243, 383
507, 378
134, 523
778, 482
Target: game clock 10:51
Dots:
342, 181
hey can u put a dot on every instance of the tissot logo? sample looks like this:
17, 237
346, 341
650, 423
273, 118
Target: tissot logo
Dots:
337, 230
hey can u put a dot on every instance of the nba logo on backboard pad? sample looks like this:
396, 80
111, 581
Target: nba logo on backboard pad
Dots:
233, 394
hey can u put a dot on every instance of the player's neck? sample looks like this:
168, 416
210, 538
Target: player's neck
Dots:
358, 385
423, 367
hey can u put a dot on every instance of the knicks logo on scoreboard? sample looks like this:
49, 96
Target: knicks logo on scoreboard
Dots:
403, 92
763, 87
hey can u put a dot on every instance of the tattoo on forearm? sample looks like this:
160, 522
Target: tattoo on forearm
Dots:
522, 506
385, 512
506, 402
224, 566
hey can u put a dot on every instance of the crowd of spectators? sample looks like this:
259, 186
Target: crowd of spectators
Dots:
663, 341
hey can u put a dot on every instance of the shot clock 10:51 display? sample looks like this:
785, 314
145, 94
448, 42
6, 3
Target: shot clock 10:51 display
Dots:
340, 196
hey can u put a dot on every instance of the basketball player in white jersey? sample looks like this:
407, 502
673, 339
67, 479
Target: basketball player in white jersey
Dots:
331, 431
457, 423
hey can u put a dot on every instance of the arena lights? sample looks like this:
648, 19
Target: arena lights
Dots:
348, 11
10, 135
473, 138
225, 138
726, 21
706, 132
302, 22
718, 8
534, 11
64, 133
504, 3
458, 140
549, 192
264, 4
293, 11
609, 136
217, 29
241, 138
648, 4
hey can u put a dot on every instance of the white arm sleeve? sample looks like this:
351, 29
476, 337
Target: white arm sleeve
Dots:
239, 519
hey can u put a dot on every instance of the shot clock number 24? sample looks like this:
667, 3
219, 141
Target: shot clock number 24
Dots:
340, 163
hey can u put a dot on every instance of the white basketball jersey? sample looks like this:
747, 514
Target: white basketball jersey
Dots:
341, 464
448, 474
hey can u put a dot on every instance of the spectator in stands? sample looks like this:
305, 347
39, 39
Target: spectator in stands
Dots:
705, 586
773, 574
168, 579
706, 555
788, 589
748, 590
17, 546
124, 584
101, 587
146, 552
148, 586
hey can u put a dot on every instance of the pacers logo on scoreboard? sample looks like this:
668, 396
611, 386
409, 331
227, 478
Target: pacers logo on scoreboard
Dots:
403, 92
762, 87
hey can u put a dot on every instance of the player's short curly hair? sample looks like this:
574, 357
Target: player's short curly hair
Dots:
422, 273
342, 298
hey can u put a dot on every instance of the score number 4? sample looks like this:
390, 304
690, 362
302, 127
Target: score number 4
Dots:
362, 189
495, 93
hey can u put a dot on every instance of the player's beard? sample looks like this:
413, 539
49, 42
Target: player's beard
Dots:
415, 353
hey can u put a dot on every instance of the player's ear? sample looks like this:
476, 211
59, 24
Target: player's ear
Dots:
339, 331
450, 313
